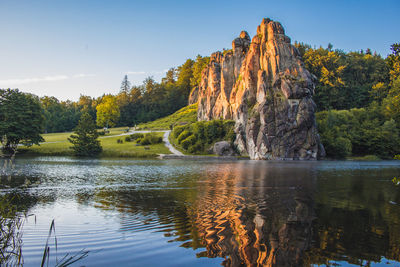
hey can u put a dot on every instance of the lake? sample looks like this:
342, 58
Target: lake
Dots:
128, 212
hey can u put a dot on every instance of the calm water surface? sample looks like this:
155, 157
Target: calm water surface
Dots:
208, 213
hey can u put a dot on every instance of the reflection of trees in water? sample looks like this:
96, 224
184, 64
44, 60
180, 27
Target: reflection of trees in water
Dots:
14, 205
270, 214
359, 222
10, 234
248, 214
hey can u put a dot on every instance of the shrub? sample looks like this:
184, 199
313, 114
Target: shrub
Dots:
145, 141
136, 136
185, 144
338, 147
397, 157
128, 139
190, 140
229, 131
102, 133
195, 137
183, 136
177, 131
150, 139
196, 148
119, 141
213, 130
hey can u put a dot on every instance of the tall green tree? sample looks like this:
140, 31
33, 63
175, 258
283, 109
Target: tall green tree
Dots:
21, 120
198, 66
170, 77
393, 61
107, 111
85, 138
185, 74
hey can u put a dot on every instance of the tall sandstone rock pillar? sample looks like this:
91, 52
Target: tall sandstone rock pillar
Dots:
263, 85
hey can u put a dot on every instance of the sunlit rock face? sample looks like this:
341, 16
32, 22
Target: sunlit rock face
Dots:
263, 85
254, 221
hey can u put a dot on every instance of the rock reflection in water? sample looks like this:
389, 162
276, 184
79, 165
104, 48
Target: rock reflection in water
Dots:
254, 215
249, 213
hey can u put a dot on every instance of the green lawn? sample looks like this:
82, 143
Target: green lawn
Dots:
110, 147
57, 137
185, 115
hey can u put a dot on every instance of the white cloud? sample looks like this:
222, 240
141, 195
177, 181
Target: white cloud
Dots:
146, 72
82, 75
33, 80
136, 72
9, 82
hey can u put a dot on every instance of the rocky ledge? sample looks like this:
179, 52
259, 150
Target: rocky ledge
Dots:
263, 85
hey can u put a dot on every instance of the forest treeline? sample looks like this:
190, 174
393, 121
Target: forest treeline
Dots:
132, 105
357, 96
358, 99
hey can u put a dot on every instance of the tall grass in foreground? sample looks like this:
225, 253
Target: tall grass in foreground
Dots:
64, 261
11, 231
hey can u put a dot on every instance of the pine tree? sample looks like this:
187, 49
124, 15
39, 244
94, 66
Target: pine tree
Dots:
125, 85
85, 142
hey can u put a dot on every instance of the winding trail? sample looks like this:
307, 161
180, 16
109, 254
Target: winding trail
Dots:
165, 139
171, 148
169, 145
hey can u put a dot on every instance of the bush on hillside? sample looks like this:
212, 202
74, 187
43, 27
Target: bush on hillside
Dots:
136, 136
199, 136
149, 139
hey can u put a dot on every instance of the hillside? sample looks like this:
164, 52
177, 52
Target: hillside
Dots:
185, 115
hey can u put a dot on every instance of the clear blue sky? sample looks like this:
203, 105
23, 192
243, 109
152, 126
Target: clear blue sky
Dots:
67, 48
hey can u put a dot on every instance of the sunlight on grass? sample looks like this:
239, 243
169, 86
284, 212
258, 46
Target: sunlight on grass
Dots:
57, 137
110, 148
183, 116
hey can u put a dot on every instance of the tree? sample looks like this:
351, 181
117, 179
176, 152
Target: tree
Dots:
85, 142
87, 104
21, 120
60, 116
125, 85
170, 76
185, 74
198, 66
107, 111
393, 61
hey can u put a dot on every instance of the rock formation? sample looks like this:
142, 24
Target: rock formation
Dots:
223, 148
263, 85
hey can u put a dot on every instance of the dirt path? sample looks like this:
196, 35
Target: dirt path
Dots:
169, 145
165, 139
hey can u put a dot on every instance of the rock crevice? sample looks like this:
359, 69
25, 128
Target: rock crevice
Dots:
263, 85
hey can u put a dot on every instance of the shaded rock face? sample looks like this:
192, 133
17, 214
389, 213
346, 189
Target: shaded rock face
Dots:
263, 85
223, 148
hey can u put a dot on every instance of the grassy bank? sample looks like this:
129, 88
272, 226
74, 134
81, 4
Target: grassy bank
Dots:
61, 146
57, 137
185, 115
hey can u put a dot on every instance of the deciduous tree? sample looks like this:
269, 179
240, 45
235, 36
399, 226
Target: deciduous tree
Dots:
21, 120
107, 111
